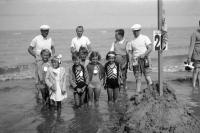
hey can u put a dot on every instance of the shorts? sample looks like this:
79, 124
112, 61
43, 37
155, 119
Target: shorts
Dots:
123, 61
112, 83
196, 64
140, 69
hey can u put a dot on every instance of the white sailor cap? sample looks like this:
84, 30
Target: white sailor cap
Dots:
44, 27
136, 27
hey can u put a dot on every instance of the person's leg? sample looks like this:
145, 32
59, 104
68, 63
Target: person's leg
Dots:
138, 85
82, 98
147, 73
110, 94
90, 94
37, 77
97, 92
76, 99
138, 76
58, 105
194, 78
115, 94
46, 95
198, 77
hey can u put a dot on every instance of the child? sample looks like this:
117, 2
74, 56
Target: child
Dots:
83, 54
96, 77
78, 79
56, 81
112, 77
43, 65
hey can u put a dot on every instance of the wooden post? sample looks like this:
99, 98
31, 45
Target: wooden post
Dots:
160, 67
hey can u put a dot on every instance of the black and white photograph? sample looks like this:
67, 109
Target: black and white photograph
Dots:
99, 66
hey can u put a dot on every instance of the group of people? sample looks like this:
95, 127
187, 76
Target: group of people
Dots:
88, 75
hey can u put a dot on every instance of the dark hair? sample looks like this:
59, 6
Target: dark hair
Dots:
95, 54
75, 56
199, 22
83, 50
80, 26
45, 50
120, 32
110, 52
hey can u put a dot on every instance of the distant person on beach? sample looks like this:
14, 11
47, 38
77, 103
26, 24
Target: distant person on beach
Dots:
56, 81
39, 43
43, 66
120, 48
112, 77
96, 77
78, 80
194, 56
139, 49
83, 54
80, 40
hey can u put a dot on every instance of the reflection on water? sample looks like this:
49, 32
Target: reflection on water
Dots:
22, 112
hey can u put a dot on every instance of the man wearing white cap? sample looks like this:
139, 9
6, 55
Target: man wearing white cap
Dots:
139, 49
80, 41
39, 43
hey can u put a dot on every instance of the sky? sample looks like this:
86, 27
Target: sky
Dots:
67, 14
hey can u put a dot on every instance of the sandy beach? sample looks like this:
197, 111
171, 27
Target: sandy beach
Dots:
21, 111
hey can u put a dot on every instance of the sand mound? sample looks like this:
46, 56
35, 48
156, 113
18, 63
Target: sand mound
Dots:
148, 112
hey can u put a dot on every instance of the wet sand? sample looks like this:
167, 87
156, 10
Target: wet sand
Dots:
21, 112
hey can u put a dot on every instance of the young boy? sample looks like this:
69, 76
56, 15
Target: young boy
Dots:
78, 79
43, 66
83, 54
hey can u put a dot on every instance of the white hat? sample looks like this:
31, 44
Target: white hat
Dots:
136, 27
44, 27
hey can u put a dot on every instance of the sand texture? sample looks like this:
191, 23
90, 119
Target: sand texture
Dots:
150, 113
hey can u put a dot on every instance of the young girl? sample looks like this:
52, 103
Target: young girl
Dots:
56, 81
112, 77
43, 66
83, 54
78, 79
96, 77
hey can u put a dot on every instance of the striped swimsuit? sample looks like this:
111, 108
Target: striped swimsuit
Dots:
112, 76
79, 76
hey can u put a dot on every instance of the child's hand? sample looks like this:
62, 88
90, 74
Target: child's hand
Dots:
63, 92
40, 86
52, 88
78, 90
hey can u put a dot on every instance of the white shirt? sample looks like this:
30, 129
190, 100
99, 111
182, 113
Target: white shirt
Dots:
40, 43
78, 42
139, 45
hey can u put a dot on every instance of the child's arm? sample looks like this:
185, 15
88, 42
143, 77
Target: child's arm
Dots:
120, 77
102, 73
47, 79
191, 47
64, 80
72, 81
86, 76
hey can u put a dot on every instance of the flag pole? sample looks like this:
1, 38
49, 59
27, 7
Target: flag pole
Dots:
160, 67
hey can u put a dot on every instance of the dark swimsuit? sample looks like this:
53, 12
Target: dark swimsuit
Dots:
80, 79
112, 77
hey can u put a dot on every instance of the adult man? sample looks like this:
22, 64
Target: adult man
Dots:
80, 41
194, 55
139, 49
120, 48
39, 43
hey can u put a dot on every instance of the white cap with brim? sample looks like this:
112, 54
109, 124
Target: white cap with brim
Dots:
136, 27
44, 27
